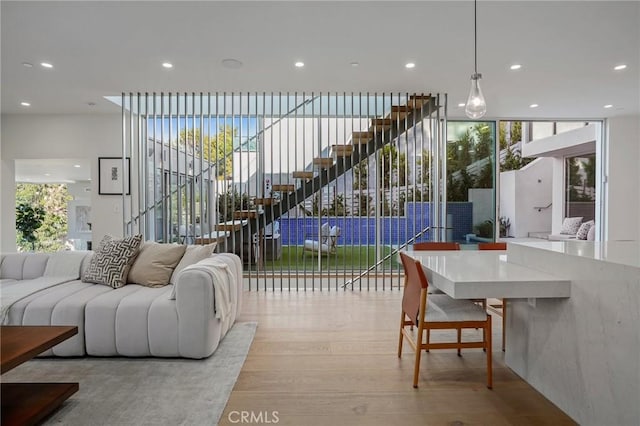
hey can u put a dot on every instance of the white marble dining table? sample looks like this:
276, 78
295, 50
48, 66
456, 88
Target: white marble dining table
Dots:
472, 274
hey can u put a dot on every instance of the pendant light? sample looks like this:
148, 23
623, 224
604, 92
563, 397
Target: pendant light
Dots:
476, 106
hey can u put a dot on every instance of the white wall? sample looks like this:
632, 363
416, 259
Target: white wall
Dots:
31, 136
508, 199
521, 191
623, 178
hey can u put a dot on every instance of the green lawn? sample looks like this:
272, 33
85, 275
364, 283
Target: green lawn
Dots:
345, 258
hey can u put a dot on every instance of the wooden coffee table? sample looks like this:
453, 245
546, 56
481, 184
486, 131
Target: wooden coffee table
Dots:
29, 403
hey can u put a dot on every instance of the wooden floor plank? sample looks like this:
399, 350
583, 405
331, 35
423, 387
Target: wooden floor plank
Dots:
324, 358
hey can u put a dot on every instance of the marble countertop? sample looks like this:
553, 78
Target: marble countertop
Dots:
619, 252
483, 274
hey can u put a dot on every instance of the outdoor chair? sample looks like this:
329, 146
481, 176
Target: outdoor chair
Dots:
327, 242
501, 307
439, 312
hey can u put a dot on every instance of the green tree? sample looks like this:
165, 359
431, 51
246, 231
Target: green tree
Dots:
53, 199
231, 201
337, 207
216, 149
360, 175
28, 220
483, 141
365, 206
393, 166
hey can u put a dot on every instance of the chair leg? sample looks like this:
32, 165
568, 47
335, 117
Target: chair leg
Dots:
459, 341
504, 323
487, 333
401, 335
416, 367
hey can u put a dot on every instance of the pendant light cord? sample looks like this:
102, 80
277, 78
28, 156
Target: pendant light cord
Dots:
475, 36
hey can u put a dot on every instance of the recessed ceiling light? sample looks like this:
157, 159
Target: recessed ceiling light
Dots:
77, 166
410, 65
46, 65
231, 63
299, 64
515, 67
534, 106
355, 64
608, 106
620, 67
167, 65
27, 64
461, 105
25, 104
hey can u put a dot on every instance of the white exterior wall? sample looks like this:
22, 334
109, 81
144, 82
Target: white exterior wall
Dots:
623, 171
523, 190
508, 200
30, 136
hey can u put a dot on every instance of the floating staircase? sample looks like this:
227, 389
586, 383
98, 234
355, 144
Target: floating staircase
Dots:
381, 132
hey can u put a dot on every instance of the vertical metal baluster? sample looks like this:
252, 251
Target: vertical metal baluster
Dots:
295, 131
212, 215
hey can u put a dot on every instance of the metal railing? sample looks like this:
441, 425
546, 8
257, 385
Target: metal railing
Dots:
238, 165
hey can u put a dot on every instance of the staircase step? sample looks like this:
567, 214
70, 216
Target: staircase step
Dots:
399, 112
361, 137
245, 214
323, 162
342, 150
265, 201
284, 188
416, 101
230, 226
381, 124
302, 175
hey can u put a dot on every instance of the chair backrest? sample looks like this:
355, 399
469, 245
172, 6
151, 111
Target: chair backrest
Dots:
325, 230
492, 246
334, 233
433, 245
415, 281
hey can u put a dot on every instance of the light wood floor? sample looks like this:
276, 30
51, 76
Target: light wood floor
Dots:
323, 358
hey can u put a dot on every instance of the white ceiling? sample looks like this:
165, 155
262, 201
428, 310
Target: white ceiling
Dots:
60, 170
567, 50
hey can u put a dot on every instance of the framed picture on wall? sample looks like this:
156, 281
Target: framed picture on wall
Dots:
111, 175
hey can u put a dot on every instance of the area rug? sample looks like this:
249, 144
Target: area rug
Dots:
144, 391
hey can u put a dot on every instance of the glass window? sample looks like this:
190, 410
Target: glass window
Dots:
580, 187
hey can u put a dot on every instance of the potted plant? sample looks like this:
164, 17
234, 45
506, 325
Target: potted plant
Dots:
28, 221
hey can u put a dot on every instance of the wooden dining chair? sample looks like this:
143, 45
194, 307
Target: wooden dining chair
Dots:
436, 245
438, 312
501, 307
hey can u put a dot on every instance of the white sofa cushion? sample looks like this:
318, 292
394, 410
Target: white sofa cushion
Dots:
23, 266
155, 264
110, 263
65, 263
570, 225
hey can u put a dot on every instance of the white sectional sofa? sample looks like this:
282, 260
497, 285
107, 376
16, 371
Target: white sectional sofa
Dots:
133, 320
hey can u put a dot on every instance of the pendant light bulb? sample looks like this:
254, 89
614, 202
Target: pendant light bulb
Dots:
476, 106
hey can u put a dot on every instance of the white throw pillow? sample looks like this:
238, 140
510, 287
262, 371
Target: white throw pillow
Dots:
583, 231
193, 254
570, 225
591, 235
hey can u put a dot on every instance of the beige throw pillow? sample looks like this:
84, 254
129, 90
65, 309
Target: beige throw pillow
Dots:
155, 264
192, 255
